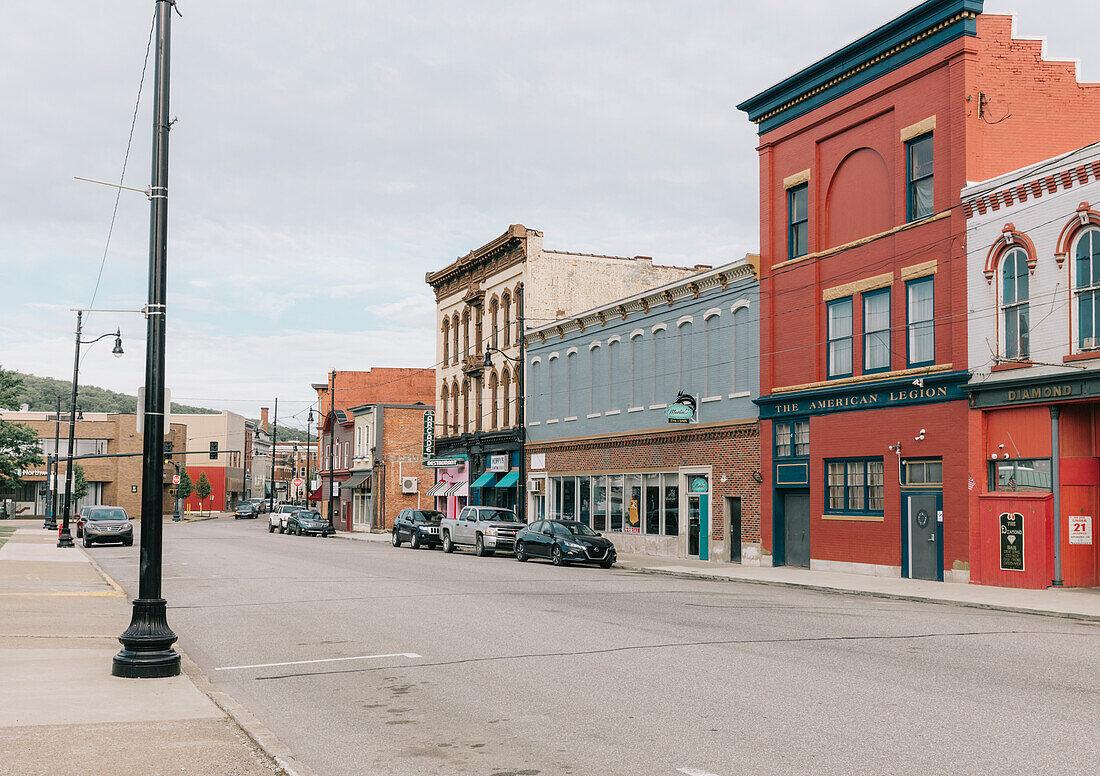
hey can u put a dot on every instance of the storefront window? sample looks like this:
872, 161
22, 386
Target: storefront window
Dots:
599, 503
782, 439
584, 502
1025, 474
923, 472
653, 503
633, 522
568, 498
854, 486
802, 437
672, 505
615, 486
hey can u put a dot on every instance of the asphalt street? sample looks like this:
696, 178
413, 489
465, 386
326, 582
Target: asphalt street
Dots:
451, 664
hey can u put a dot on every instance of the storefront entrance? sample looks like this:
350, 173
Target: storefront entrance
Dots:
698, 514
924, 542
796, 528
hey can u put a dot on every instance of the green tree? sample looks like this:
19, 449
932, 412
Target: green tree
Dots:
11, 384
203, 489
80, 482
186, 487
18, 450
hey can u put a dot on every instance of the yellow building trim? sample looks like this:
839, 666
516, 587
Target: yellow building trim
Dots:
920, 370
922, 127
856, 518
857, 287
863, 240
797, 179
921, 270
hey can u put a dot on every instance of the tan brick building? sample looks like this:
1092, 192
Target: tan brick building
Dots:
114, 481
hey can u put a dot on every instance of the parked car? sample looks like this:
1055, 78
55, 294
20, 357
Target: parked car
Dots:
107, 524
244, 509
307, 522
486, 529
257, 504
564, 542
418, 527
279, 516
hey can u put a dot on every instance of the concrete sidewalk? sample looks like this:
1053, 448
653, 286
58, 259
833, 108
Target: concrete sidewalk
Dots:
1079, 603
63, 713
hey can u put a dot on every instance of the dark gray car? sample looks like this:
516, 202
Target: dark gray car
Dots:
107, 524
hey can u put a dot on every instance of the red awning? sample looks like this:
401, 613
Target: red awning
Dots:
315, 495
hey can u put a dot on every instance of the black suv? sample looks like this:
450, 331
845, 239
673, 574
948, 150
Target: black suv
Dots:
418, 527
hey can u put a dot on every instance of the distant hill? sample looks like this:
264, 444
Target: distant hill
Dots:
41, 394
289, 434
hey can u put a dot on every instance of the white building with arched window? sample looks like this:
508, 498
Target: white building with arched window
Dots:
1033, 295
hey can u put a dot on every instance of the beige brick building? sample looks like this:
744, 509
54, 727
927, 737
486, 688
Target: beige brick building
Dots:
114, 481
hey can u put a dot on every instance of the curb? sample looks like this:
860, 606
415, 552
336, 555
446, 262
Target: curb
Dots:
253, 729
866, 593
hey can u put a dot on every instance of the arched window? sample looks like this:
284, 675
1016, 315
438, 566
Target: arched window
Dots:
466, 332
444, 398
494, 405
466, 404
506, 412
454, 429
446, 341
493, 310
454, 339
683, 336
506, 303
479, 402
637, 369
661, 361
715, 370
1087, 288
535, 404
570, 383
613, 348
595, 377
479, 339
1014, 301
552, 366
518, 296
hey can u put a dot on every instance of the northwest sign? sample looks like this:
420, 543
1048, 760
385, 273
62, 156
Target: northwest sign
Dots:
1012, 541
1080, 529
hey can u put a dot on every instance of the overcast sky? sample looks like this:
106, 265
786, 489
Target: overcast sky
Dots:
328, 154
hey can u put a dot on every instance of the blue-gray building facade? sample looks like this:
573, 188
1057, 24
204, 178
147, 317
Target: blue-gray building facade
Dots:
601, 447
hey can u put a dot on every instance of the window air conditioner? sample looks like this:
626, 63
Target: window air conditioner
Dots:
409, 484
534, 486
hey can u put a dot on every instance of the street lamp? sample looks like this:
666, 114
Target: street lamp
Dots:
65, 539
309, 422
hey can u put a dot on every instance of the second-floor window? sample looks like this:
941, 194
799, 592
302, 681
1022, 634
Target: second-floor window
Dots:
792, 438
876, 331
1014, 298
798, 220
840, 338
1087, 287
920, 329
918, 153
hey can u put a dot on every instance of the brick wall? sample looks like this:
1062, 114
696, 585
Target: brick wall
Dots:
401, 455
732, 451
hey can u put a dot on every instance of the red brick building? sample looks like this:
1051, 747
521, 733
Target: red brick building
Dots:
865, 425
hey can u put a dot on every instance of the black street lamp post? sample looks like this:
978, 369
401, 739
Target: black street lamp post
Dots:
51, 472
309, 422
66, 538
147, 644
520, 409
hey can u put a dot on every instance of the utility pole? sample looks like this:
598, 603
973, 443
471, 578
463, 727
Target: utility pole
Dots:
274, 437
147, 644
331, 445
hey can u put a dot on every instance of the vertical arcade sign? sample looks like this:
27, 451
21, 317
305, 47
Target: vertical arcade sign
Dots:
429, 434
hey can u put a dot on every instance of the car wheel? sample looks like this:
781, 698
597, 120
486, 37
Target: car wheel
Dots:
448, 545
281, 529
521, 552
607, 564
556, 557
127, 542
270, 528
395, 539
479, 546
415, 542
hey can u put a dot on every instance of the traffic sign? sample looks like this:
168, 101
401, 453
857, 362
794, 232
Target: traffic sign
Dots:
175, 479
296, 482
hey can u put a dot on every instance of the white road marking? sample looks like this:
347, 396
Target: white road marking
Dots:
694, 772
411, 655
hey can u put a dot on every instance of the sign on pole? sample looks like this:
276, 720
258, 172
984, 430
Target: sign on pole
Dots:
429, 434
167, 411
175, 479
296, 482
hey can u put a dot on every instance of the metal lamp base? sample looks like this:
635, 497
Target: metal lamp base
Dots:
65, 540
147, 644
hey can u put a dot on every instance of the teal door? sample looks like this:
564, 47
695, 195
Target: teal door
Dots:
698, 505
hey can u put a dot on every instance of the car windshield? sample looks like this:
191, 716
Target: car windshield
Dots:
499, 515
427, 517
309, 515
579, 529
106, 514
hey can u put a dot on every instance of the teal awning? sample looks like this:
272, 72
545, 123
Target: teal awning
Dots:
509, 480
484, 481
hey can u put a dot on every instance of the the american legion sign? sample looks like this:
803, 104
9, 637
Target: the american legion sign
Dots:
895, 393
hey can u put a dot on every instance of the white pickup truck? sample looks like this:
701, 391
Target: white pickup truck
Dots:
278, 518
486, 529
